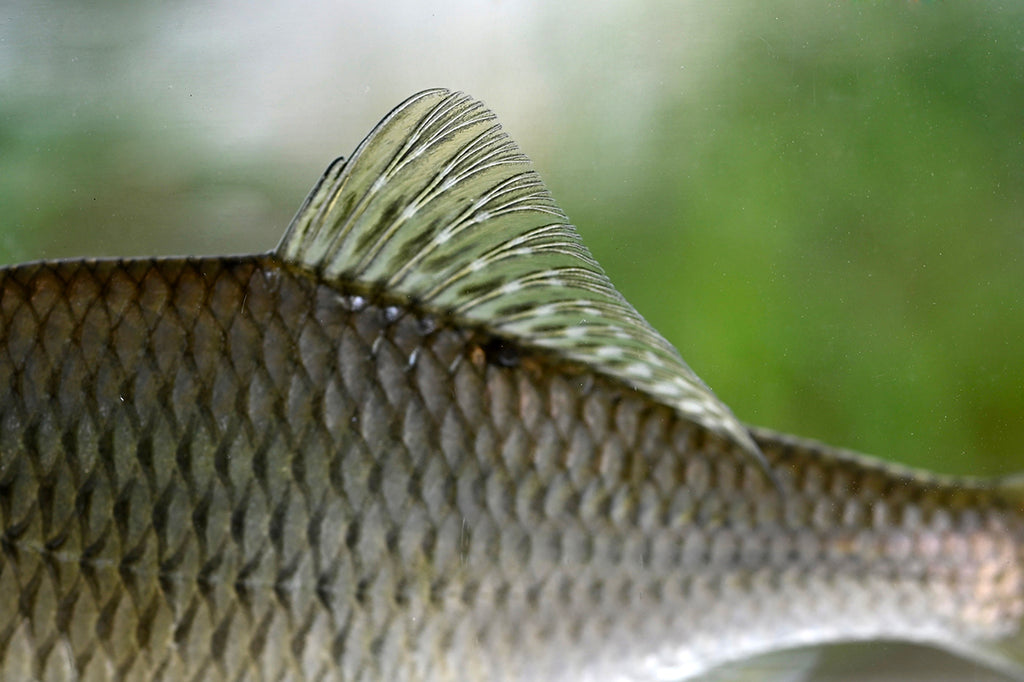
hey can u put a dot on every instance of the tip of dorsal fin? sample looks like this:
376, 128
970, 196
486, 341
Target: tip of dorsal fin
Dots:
438, 205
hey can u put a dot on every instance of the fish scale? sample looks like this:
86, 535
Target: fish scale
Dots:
247, 468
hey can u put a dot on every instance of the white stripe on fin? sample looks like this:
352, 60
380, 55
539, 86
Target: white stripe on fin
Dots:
438, 204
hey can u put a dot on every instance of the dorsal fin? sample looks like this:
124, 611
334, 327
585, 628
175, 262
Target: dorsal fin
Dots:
438, 205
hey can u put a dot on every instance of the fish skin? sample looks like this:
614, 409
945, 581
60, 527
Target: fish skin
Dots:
239, 469
223, 469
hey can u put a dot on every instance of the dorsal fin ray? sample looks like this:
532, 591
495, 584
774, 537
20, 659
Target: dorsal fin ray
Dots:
440, 206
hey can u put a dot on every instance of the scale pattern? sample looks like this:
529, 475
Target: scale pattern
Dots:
224, 469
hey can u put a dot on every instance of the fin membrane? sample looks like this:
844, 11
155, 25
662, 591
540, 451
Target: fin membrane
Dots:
791, 665
438, 205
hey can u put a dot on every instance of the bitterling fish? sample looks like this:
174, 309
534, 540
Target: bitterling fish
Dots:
425, 439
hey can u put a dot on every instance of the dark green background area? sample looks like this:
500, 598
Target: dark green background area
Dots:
821, 205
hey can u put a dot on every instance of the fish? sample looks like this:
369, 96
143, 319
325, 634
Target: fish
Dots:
425, 439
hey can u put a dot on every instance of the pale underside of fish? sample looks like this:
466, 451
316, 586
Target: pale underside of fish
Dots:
425, 439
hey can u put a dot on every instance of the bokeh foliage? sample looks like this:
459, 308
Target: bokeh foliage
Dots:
833, 227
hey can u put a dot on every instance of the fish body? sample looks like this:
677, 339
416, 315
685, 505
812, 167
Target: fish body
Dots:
423, 440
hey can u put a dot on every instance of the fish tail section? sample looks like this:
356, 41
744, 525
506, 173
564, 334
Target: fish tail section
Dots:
1007, 653
994, 581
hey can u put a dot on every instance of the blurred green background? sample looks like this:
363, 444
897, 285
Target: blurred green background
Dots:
820, 204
